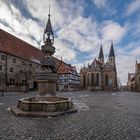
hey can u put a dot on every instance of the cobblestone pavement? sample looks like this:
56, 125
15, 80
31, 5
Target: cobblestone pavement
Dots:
101, 116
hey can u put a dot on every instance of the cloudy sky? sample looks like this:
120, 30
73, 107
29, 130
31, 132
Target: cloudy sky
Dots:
80, 27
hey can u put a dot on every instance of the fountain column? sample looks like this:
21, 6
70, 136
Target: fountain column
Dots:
47, 78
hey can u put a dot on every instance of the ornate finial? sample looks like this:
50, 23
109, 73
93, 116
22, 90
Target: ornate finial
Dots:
48, 33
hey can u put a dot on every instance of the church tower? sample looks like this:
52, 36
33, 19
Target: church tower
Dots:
101, 55
112, 55
113, 64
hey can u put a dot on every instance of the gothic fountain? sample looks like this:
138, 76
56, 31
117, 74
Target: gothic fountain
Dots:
46, 103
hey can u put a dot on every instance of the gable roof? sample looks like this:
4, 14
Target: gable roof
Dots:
95, 61
17, 47
66, 68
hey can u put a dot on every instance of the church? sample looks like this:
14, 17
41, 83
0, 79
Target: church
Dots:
100, 75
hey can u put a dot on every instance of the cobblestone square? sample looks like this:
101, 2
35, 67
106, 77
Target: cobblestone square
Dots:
101, 116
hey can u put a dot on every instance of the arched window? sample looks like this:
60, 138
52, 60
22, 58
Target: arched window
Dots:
97, 79
106, 80
84, 80
92, 79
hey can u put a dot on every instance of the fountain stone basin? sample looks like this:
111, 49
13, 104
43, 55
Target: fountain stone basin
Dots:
45, 104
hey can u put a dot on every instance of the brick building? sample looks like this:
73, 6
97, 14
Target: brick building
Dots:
19, 63
100, 75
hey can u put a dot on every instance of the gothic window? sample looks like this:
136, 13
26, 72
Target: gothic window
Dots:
106, 80
97, 79
92, 79
11, 69
84, 80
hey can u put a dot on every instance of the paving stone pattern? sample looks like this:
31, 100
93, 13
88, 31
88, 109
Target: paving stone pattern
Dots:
101, 116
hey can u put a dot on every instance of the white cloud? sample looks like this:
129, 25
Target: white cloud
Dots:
63, 50
18, 25
112, 31
125, 64
136, 52
133, 7
105, 6
100, 3
62, 12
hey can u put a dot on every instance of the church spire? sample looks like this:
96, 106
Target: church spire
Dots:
101, 55
112, 54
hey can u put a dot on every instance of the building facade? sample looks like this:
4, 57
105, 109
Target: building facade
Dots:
69, 79
19, 63
133, 82
100, 75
